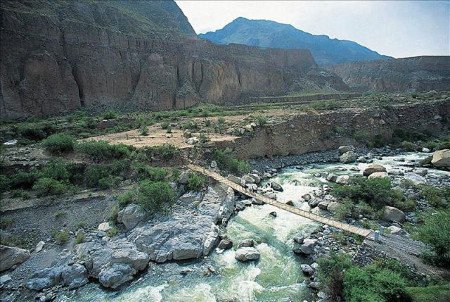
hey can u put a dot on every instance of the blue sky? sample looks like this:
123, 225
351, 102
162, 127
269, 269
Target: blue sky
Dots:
395, 28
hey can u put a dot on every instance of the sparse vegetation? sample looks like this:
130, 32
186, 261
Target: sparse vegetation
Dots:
59, 143
47, 186
154, 196
61, 237
101, 150
436, 232
227, 161
196, 182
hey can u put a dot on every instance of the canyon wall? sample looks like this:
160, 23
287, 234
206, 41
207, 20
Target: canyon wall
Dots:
414, 74
59, 56
328, 130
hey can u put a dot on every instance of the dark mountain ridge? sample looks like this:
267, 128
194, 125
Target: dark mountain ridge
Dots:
265, 33
59, 56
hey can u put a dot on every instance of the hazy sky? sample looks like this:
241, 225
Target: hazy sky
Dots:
394, 28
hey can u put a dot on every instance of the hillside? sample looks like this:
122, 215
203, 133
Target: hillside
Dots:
59, 56
397, 75
266, 33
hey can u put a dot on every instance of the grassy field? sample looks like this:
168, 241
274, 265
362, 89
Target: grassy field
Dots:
435, 293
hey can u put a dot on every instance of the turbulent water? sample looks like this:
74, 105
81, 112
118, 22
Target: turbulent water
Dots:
275, 277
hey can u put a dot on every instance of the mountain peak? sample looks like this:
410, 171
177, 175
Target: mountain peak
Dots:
272, 34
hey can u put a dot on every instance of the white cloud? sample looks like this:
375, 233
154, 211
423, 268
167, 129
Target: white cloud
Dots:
397, 28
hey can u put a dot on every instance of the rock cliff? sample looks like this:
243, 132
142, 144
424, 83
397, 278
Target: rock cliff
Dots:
60, 56
408, 74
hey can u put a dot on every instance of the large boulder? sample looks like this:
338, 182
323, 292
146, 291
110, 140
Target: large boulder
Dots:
348, 157
345, 149
131, 216
276, 186
177, 239
10, 256
393, 214
113, 262
247, 254
307, 247
343, 179
378, 175
441, 158
73, 276
372, 168
116, 274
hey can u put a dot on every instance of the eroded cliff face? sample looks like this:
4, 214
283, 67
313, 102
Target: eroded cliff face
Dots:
409, 74
326, 131
60, 56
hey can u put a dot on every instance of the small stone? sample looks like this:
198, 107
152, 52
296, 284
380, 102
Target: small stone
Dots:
273, 214
246, 243
307, 269
225, 244
39, 246
104, 227
247, 254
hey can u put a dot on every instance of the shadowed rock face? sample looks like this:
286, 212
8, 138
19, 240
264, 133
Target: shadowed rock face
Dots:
57, 57
409, 74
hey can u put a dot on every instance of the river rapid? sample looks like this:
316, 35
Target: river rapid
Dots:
277, 276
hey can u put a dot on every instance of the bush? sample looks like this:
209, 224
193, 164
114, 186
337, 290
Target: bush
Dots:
151, 173
143, 130
109, 115
59, 143
95, 173
80, 237
331, 274
371, 283
48, 186
437, 197
226, 161
376, 192
155, 196
35, 131
56, 169
109, 182
165, 151
102, 150
61, 236
22, 180
436, 232
196, 182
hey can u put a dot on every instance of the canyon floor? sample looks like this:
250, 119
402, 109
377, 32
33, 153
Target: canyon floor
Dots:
80, 218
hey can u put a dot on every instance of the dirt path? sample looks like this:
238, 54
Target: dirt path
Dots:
408, 252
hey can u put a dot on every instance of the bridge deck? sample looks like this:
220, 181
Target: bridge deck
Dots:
318, 218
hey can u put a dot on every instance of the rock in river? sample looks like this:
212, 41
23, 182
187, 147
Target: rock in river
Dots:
441, 158
348, 157
373, 168
246, 254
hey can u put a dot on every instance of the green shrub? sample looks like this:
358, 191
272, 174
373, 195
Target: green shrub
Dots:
165, 125
151, 173
109, 115
112, 232
48, 186
155, 196
376, 192
436, 232
109, 182
102, 150
227, 161
371, 283
80, 237
143, 130
57, 170
61, 236
126, 198
22, 180
59, 143
331, 274
165, 151
35, 131
94, 173
437, 197
261, 120
21, 194
196, 182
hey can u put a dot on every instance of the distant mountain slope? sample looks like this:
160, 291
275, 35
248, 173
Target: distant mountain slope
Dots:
414, 74
266, 33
